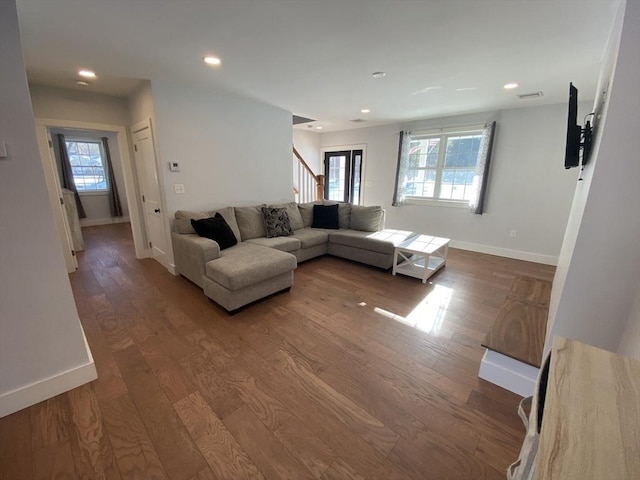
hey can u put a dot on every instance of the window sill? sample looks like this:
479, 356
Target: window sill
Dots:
94, 193
437, 203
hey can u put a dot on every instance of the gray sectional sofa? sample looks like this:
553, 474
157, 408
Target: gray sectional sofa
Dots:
259, 266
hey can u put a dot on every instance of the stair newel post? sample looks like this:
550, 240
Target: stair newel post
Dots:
319, 187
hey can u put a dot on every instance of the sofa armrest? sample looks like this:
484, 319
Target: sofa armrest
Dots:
191, 254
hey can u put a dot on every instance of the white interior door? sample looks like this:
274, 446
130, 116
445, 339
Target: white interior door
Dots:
150, 196
55, 197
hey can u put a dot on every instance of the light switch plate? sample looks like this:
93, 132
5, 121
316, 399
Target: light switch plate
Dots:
174, 166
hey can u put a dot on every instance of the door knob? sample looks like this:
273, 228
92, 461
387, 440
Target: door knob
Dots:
157, 210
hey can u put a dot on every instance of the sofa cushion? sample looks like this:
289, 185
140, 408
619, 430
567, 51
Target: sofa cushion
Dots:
344, 212
325, 216
383, 241
229, 214
309, 237
250, 222
366, 219
245, 264
276, 222
182, 220
217, 229
285, 244
306, 212
294, 214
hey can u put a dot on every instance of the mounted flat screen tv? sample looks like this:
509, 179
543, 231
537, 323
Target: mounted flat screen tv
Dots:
578, 138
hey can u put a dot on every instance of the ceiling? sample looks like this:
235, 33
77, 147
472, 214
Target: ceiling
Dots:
315, 57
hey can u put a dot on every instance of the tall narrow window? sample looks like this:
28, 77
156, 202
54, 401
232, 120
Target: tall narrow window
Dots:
88, 166
343, 171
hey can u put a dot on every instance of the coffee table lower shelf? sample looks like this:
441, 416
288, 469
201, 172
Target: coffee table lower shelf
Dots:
420, 257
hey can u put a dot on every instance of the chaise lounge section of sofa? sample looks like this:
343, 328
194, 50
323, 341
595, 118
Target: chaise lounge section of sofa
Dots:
259, 266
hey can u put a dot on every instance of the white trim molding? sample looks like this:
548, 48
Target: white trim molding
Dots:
37, 392
91, 222
515, 376
505, 252
28, 395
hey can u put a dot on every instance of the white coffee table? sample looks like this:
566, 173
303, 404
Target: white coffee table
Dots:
420, 256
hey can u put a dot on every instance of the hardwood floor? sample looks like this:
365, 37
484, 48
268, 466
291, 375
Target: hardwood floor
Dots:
336, 379
520, 327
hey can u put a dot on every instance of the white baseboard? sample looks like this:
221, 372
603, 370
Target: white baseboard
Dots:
23, 397
515, 376
506, 252
37, 392
172, 269
92, 222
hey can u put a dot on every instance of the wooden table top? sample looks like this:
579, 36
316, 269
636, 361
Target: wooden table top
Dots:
591, 422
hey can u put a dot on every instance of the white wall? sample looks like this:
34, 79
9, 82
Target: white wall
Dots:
599, 268
72, 105
529, 190
630, 341
140, 104
63, 104
41, 340
232, 150
308, 145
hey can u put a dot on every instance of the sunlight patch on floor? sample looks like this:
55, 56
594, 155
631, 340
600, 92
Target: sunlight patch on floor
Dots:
428, 316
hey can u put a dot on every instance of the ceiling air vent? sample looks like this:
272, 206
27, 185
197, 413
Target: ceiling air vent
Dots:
527, 96
358, 120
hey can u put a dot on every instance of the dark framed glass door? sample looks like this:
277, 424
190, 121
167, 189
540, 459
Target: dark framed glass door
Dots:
342, 174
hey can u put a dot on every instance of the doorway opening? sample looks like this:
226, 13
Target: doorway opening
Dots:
119, 148
343, 175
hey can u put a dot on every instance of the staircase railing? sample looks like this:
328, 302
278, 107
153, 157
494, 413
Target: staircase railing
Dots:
307, 186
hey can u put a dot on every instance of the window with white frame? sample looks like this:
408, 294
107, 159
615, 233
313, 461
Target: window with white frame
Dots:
88, 166
442, 166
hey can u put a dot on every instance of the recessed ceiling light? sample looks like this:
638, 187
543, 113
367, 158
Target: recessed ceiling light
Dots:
510, 86
87, 74
83, 83
209, 60
378, 74
318, 128
365, 110
426, 90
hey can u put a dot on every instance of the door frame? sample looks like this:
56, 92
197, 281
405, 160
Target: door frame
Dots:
165, 260
363, 166
347, 172
42, 127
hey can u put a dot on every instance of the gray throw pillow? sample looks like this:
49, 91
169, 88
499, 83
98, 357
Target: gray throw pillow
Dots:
306, 212
366, 219
276, 222
182, 220
250, 222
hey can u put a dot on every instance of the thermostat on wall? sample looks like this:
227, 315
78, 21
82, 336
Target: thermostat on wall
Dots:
174, 166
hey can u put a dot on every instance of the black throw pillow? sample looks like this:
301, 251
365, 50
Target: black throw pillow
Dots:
216, 228
325, 216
